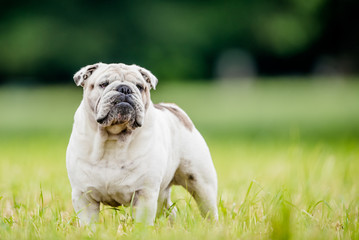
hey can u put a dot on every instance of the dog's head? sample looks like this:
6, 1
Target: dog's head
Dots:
118, 95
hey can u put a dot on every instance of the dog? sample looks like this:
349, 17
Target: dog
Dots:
126, 151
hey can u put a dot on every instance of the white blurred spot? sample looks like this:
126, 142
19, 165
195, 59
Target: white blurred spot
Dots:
235, 64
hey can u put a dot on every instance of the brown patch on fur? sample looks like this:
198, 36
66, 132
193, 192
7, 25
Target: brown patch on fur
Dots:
84, 75
178, 113
89, 71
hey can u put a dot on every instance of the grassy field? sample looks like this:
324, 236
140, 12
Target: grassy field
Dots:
286, 154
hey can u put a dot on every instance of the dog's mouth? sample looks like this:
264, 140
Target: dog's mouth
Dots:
120, 113
119, 110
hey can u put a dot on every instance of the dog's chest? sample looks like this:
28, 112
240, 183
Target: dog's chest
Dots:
112, 178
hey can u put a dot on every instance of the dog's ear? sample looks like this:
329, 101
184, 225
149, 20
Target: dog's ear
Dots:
84, 73
148, 76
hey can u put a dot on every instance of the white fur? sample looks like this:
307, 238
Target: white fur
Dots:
107, 168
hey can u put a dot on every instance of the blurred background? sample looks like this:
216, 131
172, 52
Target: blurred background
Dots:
250, 69
47, 41
272, 85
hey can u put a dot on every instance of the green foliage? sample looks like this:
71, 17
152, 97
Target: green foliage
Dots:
177, 39
274, 182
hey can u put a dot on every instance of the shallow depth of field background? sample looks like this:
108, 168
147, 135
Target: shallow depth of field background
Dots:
272, 87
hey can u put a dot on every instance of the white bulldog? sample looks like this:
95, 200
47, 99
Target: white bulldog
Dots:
125, 150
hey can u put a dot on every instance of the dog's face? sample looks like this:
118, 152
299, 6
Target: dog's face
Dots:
117, 94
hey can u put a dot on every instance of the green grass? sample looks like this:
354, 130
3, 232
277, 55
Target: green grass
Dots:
286, 155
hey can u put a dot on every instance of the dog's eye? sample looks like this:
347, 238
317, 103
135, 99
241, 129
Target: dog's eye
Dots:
139, 87
103, 85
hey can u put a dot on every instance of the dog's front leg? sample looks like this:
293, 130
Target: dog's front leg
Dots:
86, 209
145, 205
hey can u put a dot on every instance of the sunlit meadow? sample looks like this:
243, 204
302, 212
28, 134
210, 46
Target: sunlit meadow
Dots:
286, 154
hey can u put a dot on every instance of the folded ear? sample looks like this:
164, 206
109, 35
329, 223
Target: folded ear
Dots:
148, 76
84, 73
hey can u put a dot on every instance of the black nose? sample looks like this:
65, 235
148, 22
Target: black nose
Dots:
124, 89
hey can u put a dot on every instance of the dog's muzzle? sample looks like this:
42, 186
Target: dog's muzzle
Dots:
119, 107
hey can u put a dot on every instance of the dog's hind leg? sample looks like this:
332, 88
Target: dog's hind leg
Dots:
201, 183
205, 195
